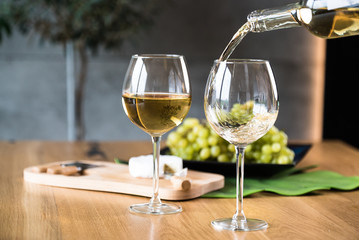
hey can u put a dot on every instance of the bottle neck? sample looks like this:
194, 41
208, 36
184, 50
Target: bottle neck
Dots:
274, 18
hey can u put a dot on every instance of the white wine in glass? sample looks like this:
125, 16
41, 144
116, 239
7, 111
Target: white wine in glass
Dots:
156, 97
241, 105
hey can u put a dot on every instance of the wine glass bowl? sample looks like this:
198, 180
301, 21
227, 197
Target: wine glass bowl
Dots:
241, 105
156, 97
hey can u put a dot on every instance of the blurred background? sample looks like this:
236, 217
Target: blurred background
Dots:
315, 77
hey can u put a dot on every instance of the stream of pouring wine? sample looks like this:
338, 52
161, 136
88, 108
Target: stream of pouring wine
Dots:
236, 39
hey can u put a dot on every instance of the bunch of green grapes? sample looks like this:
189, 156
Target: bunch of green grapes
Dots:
195, 140
242, 113
271, 148
239, 114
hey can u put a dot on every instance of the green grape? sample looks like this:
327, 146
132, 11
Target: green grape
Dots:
196, 147
173, 138
205, 153
276, 137
190, 122
266, 149
275, 160
256, 155
181, 130
202, 142
248, 148
180, 153
196, 129
223, 158
231, 148
265, 158
191, 137
203, 133
282, 159
284, 138
283, 135
276, 147
215, 151
182, 143
213, 140
189, 150
288, 152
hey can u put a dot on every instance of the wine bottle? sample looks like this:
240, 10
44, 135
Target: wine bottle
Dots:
323, 18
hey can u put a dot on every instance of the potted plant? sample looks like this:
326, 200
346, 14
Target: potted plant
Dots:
82, 27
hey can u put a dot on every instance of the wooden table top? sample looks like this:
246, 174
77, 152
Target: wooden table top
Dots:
31, 211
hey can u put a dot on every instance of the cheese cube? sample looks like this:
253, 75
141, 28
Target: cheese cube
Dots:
142, 166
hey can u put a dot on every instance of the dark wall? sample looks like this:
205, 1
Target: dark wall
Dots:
341, 119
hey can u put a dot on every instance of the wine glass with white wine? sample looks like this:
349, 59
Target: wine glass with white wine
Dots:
241, 105
156, 97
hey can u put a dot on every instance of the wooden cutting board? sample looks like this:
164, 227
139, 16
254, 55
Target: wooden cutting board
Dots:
112, 177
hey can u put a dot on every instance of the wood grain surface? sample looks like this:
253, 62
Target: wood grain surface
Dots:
113, 177
32, 211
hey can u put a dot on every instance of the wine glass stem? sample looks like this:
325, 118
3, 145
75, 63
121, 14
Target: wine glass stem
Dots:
239, 215
155, 200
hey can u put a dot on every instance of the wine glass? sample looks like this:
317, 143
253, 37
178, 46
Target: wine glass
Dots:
241, 105
156, 97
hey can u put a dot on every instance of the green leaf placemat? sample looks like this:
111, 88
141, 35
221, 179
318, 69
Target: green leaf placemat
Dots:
289, 183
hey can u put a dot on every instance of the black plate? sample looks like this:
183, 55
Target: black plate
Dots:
250, 169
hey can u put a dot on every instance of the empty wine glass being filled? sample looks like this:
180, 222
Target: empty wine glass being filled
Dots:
241, 105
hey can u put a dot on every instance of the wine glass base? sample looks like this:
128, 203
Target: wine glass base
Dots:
230, 224
160, 209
